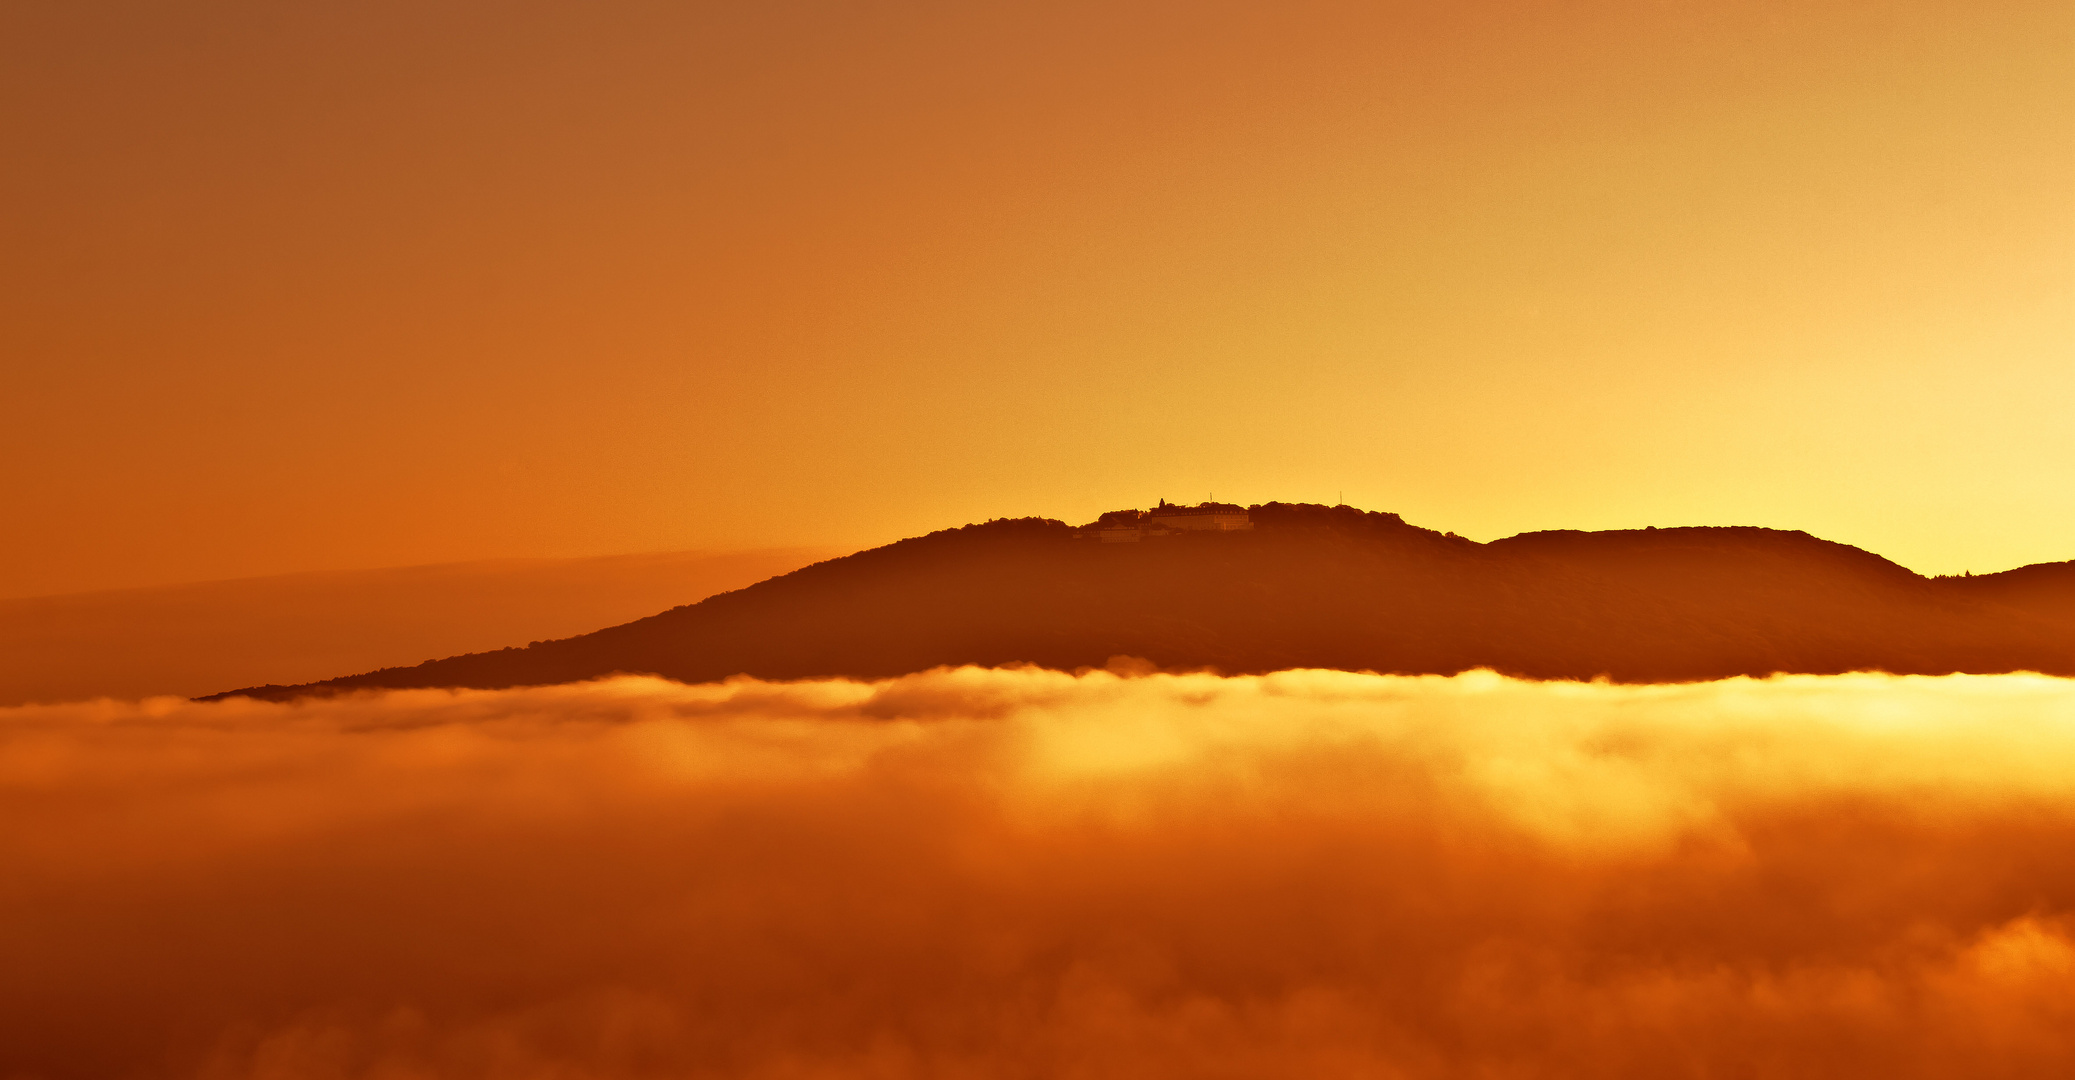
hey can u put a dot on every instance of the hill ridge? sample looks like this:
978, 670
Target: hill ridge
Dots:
1306, 585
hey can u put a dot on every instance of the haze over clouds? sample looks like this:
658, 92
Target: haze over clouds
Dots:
1028, 873
195, 639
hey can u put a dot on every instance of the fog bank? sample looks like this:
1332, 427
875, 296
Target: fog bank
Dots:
982, 873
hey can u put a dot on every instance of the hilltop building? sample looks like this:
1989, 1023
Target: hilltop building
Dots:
1166, 519
1207, 517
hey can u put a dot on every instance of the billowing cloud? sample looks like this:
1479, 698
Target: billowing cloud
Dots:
1021, 873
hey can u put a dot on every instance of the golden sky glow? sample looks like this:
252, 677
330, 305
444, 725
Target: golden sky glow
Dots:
326, 285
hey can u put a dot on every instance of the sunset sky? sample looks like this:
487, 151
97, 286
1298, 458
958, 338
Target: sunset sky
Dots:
339, 338
362, 283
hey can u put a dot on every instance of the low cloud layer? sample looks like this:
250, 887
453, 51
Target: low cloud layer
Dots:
1029, 874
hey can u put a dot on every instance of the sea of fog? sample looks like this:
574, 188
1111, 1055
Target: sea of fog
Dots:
1023, 873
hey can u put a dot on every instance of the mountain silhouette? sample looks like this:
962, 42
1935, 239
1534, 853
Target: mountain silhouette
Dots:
1315, 586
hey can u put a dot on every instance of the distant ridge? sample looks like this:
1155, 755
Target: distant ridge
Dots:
200, 637
1321, 586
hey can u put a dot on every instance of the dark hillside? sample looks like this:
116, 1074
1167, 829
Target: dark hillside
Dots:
2042, 588
1315, 586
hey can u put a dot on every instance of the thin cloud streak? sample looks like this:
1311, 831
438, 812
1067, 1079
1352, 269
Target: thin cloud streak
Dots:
1028, 873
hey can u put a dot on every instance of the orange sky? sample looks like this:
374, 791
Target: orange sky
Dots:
346, 284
